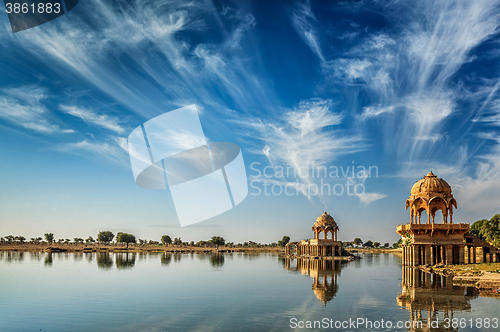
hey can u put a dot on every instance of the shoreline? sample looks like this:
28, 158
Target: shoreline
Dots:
373, 250
132, 248
483, 276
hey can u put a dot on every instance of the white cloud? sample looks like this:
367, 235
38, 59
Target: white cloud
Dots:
304, 137
23, 107
407, 70
114, 149
368, 198
101, 120
374, 111
167, 68
304, 21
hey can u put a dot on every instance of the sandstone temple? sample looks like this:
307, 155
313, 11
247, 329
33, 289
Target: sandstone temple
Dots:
320, 245
432, 241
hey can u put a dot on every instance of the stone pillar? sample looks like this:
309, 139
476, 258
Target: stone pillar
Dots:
413, 255
427, 249
433, 255
449, 254
427, 280
461, 252
441, 254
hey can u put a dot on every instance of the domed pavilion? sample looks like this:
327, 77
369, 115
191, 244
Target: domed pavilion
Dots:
431, 194
431, 242
320, 245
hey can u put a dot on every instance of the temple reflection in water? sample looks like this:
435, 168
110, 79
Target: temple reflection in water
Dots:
323, 272
429, 296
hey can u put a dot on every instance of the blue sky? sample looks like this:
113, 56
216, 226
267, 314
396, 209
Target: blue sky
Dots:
401, 86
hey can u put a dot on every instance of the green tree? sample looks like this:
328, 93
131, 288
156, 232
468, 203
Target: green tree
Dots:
49, 237
105, 237
165, 239
396, 245
217, 241
475, 228
90, 239
368, 244
386, 245
358, 242
78, 240
376, 244
125, 238
487, 230
283, 242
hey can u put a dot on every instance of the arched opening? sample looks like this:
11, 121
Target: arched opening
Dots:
439, 216
422, 216
419, 206
438, 204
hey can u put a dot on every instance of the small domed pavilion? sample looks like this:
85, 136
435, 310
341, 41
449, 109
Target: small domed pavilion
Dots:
319, 245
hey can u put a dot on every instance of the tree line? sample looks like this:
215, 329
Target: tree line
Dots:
107, 237
487, 230
358, 243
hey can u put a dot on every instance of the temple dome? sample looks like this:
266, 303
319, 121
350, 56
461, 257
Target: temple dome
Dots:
431, 184
325, 294
324, 221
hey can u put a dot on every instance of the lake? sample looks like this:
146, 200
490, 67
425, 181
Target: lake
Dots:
228, 292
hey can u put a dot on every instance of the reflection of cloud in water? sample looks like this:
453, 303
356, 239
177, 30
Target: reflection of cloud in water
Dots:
368, 301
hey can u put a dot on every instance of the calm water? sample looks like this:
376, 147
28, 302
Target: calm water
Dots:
225, 292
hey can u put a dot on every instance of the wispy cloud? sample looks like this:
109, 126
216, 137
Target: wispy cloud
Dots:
368, 198
22, 106
410, 68
113, 149
410, 76
161, 68
307, 136
305, 23
101, 120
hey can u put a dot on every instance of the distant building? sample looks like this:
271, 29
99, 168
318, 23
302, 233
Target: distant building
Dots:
317, 246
